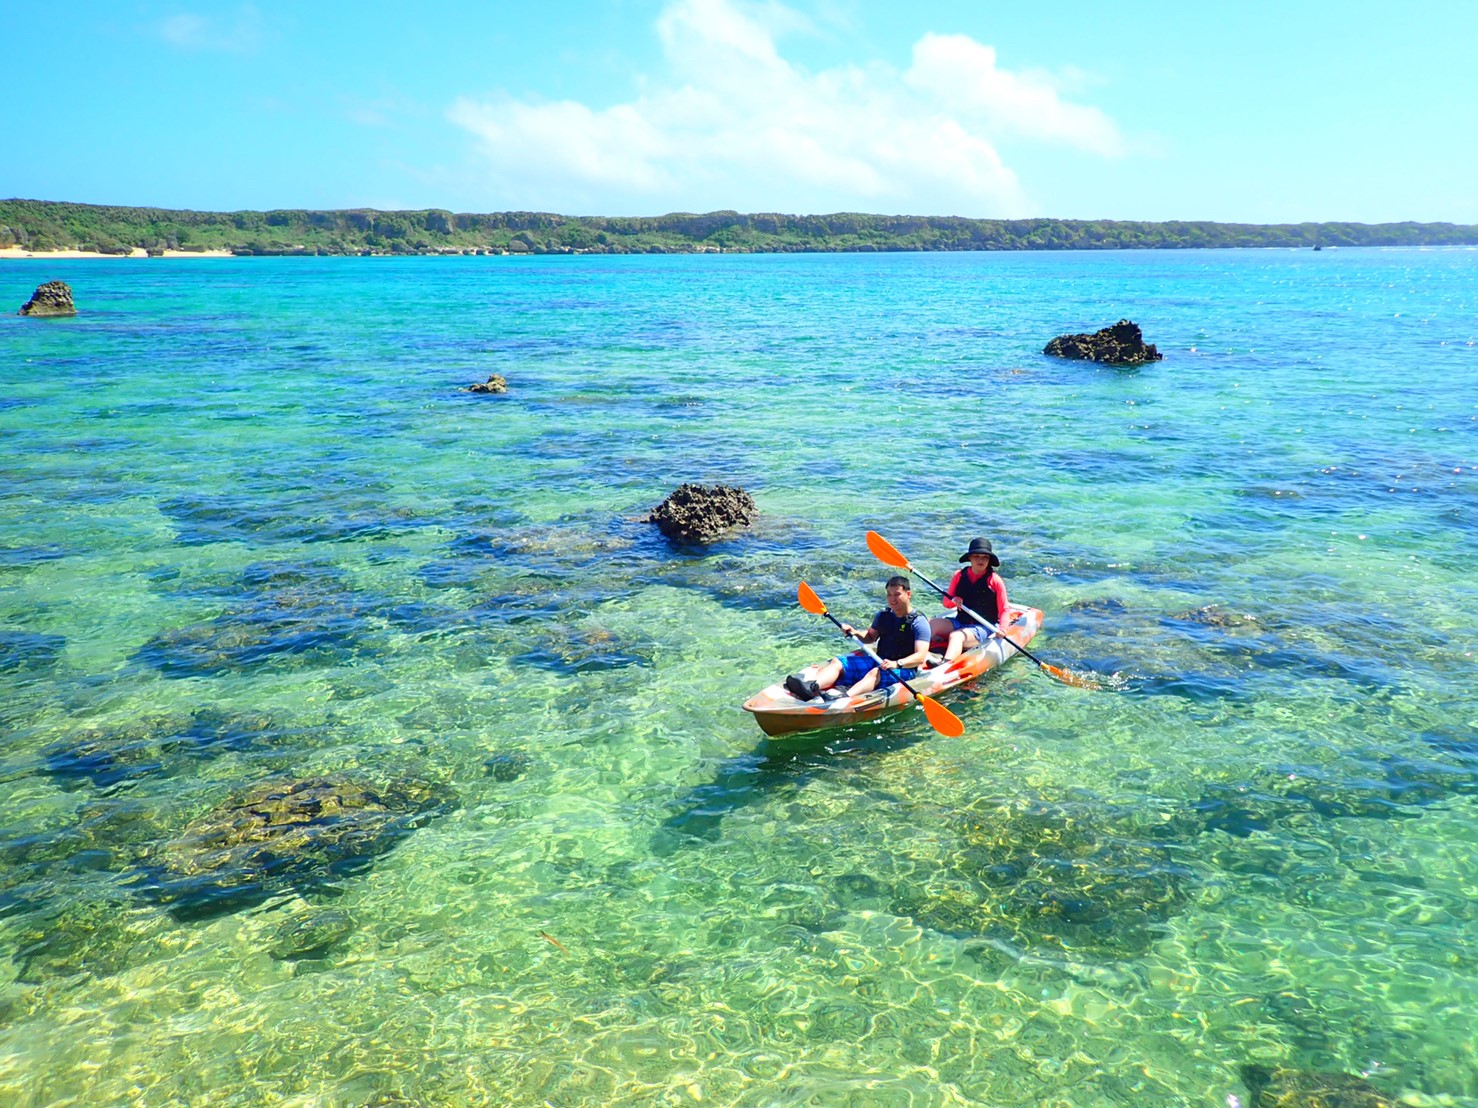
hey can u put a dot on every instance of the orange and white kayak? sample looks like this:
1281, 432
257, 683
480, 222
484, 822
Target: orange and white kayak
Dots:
779, 713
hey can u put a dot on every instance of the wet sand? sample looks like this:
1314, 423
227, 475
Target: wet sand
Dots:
10, 252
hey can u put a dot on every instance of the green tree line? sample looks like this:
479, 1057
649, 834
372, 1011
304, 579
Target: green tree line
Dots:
51, 225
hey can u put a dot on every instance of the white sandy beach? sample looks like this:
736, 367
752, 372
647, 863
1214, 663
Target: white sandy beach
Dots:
9, 252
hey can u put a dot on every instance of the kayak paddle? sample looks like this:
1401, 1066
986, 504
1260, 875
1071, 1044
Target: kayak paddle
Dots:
888, 554
940, 718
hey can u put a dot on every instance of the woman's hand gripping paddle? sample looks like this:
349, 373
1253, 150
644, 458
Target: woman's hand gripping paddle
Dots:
888, 554
940, 718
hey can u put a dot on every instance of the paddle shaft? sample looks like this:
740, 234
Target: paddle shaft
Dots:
888, 554
871, 653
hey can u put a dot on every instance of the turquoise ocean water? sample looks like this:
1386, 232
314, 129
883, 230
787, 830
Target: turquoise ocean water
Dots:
254, 538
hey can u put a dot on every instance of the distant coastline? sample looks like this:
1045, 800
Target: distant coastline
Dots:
54, 229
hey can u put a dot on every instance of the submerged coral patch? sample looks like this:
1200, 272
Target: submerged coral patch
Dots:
290, 611
112, 754
574, 651
71, 938
29, 650
1291, 1088
228, 644
326, 515
106, 755
19, 559
1074, 874
311, 934
507, 765
284, 833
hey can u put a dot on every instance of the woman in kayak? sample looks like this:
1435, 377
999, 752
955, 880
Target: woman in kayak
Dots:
902, 637
978, 588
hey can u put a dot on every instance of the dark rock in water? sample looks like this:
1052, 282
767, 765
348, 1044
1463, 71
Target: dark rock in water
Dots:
702, 513
1389, 788
1281, 1088
52, 298
311, 934
330, 513
24, 558
284, 832
494, 383
1121, 344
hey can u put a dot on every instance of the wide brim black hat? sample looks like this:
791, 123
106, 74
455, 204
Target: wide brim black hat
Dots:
980, 546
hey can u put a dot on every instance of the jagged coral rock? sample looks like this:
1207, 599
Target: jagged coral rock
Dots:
1121, 344
52, 298
702, 513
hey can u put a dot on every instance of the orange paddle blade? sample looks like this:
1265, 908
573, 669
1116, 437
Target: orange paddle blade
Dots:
941, 718
1067, 677
810, 601
886, 552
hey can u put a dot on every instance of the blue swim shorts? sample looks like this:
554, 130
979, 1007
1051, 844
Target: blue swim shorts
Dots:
857, 666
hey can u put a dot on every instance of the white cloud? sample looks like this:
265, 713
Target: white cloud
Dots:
238, 34
733, 124
956, 69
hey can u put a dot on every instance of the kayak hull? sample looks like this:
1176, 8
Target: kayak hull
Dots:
779, 713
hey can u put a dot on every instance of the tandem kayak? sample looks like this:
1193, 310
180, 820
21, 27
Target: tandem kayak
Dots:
779, 713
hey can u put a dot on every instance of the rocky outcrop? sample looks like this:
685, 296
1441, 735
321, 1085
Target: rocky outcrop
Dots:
494, 383
702, 513
1121, 344
52, 298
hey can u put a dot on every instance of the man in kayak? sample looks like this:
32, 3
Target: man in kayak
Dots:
902, 637
978, 588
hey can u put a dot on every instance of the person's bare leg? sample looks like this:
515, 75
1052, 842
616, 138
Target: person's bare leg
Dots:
827, 675
868, 682
955, 646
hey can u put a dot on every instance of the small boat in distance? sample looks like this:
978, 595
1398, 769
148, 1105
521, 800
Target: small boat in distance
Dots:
779, 713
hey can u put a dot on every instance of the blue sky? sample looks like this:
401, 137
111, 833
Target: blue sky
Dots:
1238, 111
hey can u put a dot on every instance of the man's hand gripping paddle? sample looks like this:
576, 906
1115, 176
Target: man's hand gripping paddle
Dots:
940, 718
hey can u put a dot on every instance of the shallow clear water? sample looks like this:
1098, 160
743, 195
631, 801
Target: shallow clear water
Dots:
252, 531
